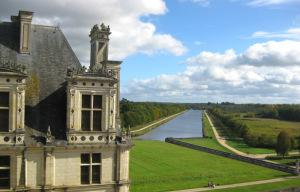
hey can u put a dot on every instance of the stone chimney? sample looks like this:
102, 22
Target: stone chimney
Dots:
24, 22
99, 46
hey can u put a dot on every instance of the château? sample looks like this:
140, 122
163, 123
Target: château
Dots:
59, 122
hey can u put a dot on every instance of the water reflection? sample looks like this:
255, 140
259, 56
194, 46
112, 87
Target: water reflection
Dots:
186, 125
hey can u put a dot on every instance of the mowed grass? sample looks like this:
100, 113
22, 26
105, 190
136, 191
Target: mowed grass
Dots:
281, 185
267, 127
209, 141
242, 146
271, 127
206, 142
158, 166
212, 143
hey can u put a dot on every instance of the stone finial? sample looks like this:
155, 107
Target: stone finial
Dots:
105, 28
49, 137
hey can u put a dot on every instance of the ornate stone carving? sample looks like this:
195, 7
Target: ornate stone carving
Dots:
11, 66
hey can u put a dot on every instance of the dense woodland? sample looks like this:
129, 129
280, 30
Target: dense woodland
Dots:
139, 113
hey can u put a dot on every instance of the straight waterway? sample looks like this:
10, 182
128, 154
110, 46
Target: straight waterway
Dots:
188, 124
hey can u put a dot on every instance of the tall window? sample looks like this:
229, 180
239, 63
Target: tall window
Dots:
4, 172
4, 111
90, 168
91, 112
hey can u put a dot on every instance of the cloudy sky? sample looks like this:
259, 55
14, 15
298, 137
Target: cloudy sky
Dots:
188, 50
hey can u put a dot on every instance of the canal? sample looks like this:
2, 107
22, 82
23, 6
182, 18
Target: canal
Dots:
188, 124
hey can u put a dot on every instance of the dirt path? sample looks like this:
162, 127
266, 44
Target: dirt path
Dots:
239, 184
157, 122
222, 141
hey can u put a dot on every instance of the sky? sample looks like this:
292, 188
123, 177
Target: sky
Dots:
242, 51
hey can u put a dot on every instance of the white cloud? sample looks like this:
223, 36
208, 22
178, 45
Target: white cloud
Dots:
292, 33
272, 53
129, 33
202, 3
198, 43
271, 2
246, 77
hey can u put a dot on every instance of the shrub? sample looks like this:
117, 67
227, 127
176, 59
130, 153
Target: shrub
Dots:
283, 143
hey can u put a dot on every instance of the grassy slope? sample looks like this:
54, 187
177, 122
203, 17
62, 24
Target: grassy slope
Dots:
271, 127
210, 141
156, 124
159, 166
265, 187
242, 146
259, 126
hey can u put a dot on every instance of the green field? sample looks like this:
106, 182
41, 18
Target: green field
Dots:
290, 183
242, 146
259, 126
271, 127
206, 142
210, 140
159, 166
287, 160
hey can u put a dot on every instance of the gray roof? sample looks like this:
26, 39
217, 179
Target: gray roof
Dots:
50, 57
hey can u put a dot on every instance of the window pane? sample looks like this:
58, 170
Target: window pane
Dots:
97, 121
4, 120
4, 183
86, 101
4, 178
97, 102
4, 99
96, 174
4, 161
85, 158
96, 158
4, 174
85, 120
85, 174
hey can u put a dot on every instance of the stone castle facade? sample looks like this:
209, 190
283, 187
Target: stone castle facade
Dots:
59, 122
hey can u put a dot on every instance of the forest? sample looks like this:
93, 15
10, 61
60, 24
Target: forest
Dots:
139, 113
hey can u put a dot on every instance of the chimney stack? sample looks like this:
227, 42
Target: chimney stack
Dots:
24, 21
99, 46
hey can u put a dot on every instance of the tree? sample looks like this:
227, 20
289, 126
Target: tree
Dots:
283, 143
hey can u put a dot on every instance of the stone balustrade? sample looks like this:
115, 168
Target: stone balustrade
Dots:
91, 137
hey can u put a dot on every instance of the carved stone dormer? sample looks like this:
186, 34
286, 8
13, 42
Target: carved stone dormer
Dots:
99, 46
12, 102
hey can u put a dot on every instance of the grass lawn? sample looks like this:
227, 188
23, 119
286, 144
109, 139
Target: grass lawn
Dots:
265, 187
259, 126
210, 140
206, 142
271, 127
159, 166
288, 160
242, 146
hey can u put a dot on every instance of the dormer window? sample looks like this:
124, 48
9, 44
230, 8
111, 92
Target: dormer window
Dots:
91, 113
4, 111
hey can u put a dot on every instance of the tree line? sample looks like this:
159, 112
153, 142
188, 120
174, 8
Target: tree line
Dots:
240, 129
139, 113
283, 112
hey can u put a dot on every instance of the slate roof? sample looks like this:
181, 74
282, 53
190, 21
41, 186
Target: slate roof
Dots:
50, 57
